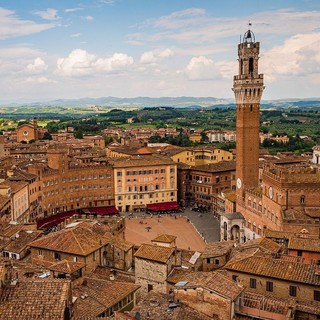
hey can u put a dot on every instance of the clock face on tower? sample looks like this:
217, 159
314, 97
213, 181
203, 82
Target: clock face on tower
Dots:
270, 192
239, 183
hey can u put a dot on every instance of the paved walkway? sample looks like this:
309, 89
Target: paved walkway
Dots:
205, 223
143, 230
201, 228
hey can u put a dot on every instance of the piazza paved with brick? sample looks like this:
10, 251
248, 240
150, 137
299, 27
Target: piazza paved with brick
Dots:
192, 229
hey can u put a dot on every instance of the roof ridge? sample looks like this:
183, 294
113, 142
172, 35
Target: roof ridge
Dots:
76, 239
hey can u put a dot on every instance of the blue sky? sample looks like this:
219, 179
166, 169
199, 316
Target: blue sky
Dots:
129, 48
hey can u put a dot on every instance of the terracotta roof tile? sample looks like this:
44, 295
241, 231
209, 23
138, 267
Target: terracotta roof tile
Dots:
277, 234
216, 167
140, 161
79, 240
305, 244
18, 302
154, 253
99, 295
212, 281
276, 268
216, 249
14, 185
66, 266
22, 240
166, 238
264, 244
8, 230
312, 307
186, 313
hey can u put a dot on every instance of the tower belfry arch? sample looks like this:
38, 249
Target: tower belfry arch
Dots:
248, 88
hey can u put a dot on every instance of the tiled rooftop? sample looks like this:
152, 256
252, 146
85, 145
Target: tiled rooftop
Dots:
79, 240
165, 238
8, 230
20, 242
217, 167
213, 281
98, 295
155, 306
140, 161
14, 185
216, 249
277, 234
265, 303
36, 299
66, 266
264, 244
305, 244
154, 253
276, 268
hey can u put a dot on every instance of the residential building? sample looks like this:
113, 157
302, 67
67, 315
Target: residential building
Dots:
143, 180
306, 248
79, 242
97, 298
216, 255
210, 293
280, 278
153, 263
19, 195
203, 182
17, 247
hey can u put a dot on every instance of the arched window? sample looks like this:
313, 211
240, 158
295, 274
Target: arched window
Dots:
250, 65
302, 199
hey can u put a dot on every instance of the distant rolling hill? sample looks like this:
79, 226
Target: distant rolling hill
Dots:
176, 102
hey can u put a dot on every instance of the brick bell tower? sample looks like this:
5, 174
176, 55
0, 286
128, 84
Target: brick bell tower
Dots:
248, 88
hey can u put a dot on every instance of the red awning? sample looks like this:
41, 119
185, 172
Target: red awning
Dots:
54, 220
163, 206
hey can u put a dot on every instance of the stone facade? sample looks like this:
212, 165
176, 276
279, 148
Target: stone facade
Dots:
152, 266
206, 302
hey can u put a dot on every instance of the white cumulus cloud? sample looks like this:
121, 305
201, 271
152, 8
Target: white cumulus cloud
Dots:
49, 14
201, 68
151, 57
298, 55
80, 63
38, 66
